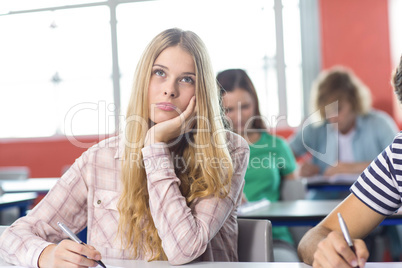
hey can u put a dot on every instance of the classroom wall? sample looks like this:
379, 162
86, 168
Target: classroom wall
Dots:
353, 33
356, 34
46, 157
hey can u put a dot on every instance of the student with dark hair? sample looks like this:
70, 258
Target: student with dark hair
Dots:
271, 160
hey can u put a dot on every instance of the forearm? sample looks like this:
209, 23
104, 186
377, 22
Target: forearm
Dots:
308, 244
38, 229
184, 236
23, 233
358, 167
343, 168
185, 229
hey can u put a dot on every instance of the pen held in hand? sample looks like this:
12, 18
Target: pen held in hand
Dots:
346, 234
73, 237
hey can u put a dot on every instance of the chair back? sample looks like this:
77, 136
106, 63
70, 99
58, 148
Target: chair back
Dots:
14, 173
295, 190
255, 242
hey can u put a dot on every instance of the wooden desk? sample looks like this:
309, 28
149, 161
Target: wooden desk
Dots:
21, 200
301, 213
38, 185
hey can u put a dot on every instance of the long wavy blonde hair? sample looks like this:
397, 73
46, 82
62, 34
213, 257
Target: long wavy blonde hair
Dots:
136, 227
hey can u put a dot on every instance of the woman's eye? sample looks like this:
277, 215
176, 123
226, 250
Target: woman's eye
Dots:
187, 80
228, 110
159, 72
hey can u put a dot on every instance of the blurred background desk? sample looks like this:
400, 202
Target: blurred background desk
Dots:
38, 185
336, 183
18, 188
301, 213
20, 200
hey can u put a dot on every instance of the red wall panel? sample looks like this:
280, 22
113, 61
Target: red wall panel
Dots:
46, 157
356, 34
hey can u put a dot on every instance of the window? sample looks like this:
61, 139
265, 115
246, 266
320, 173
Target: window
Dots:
57, 70
55, 66
238, 34
395, 7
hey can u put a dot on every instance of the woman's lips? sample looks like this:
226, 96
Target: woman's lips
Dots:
166, 106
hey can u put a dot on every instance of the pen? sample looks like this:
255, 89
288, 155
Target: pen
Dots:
346, 234
73, 237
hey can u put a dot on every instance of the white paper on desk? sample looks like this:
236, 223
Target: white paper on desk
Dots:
251, 206
107, 265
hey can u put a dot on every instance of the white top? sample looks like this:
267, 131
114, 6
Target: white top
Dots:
346, 147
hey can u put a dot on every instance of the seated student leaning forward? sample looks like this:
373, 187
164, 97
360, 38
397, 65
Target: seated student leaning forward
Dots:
350, 133
376, 194
137, 202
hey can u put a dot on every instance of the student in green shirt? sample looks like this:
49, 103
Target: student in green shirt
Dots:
271, 159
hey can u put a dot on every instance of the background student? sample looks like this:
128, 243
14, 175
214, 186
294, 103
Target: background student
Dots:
350, 134
134, 192
271, 159
376, 194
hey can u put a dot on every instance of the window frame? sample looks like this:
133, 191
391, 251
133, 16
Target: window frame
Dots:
310, 50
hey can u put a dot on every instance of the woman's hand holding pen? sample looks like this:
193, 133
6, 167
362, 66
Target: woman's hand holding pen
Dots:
68, 254
333, 251
170, 129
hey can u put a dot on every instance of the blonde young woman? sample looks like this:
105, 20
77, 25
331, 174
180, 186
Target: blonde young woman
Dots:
166, 190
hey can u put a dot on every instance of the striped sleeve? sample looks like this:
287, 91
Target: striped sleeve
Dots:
380, 184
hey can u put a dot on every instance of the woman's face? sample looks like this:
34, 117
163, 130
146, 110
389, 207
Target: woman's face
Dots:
172, 84
239, 108
345, 117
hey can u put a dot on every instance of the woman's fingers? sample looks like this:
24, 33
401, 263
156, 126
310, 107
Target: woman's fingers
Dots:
171, 129
189, 115
190, 110
71, 254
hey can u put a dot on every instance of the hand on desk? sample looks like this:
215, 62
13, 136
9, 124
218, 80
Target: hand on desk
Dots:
333, 251
342, 167
68, 254
308, 169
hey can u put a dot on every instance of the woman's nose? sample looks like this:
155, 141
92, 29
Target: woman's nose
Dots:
167, 92
170, 90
